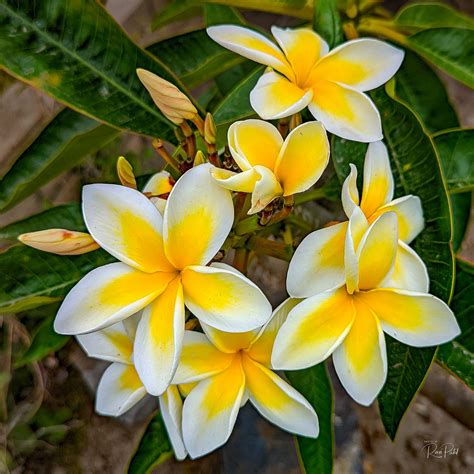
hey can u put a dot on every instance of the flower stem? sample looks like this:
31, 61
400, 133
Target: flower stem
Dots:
311, 195
279, 250
241, 260
382, 28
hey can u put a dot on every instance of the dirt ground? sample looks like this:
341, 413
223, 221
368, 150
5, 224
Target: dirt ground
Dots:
443, 412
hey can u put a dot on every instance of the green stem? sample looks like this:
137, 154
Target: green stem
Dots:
311, 195
299, 222
384, 28
279, 250
248, 225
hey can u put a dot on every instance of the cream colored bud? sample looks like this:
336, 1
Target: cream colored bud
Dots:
199, 159
60, 241
210, 130
295, 121
125, 173
174, 105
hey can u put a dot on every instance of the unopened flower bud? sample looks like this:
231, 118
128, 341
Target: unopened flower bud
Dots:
199, 159
174, 105
210, 130
60, 241
125, 173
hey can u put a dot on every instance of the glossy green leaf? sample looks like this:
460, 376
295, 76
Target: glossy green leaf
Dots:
31, 278
153, 449
432, 15
194, 57
316, 455
67, 216
456, 149
45, 341
236, 105
457, 355
327, 22
416, 171
220, 14
461, 207
78, 54
420, 87
67, 140
450, 49
176, 10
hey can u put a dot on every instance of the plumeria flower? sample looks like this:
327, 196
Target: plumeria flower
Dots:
159, 185
348, 321
273, 167
304, 73
230, 369
120, 387
162, 268
324, 249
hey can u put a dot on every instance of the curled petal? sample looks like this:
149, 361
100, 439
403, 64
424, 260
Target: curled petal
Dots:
267, 188
275, 97
350, 193
345, 112
241, 182
160, 183
230, 342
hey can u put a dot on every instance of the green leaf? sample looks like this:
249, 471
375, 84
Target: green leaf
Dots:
236, 105
153, 449
176, 10
67, 216
416, 171
432, 15
456, 150
78, 54
31, 278
420, 87
327, 22
194, 57
461, 208
316, 455
67, 139
457, 355
450, 49
220, 14
45, 341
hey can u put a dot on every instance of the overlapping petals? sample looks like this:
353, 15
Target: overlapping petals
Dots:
348, 321
305, 73
230, 368
162, 268
270, 166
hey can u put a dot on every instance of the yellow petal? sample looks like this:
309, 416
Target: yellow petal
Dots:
416, 319
361, 360
225, 299
251, 45
303, 158
275, 97
254, 142
410, 216
362, 63
312, 330
230, 342
159, 183
107, 295
302, 47
119, 390
267, 188
409, 271
345, 112
126, 224
198, 217
377, 251
378, 179
350, 193
112, 344
241, 182
262, 346
210, 410
159, 339
200, 359
278, 401
318, 262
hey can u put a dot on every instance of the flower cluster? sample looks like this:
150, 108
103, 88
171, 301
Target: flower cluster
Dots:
178, 323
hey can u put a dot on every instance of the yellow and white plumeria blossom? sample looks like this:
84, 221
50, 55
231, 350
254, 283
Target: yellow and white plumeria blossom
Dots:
348, 321
304, 73
162, 268
229, 369
324, 248
158, 185
273, 167
120, 387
